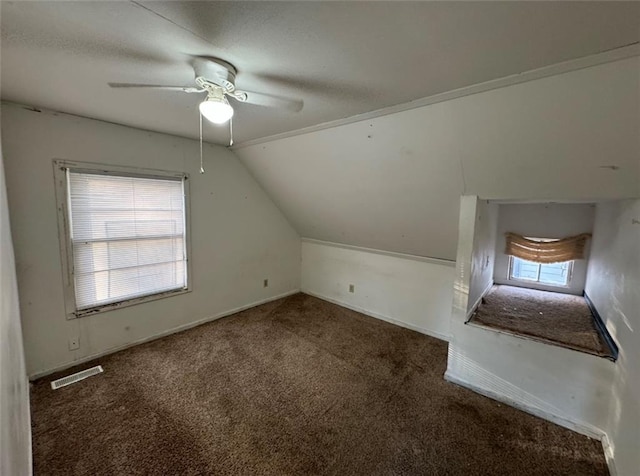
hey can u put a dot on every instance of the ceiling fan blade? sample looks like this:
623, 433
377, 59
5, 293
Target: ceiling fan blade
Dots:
184, 89
268, 100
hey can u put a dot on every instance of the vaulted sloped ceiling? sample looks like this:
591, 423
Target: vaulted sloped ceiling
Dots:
341, 58
394, 182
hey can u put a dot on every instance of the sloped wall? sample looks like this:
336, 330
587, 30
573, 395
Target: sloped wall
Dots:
393, 183
238, 236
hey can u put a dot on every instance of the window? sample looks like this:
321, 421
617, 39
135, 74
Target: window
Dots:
125, 235
552, 274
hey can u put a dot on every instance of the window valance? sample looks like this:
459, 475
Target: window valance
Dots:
546, 251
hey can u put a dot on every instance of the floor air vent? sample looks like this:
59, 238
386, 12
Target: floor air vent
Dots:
73, 378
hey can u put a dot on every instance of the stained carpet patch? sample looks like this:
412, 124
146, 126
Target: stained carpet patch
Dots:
296, 386
555, 318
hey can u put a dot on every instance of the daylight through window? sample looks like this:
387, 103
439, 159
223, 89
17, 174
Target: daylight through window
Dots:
127, 236
553, 274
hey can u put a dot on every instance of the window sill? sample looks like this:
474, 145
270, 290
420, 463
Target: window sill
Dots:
129, 302
525, 282
497, 330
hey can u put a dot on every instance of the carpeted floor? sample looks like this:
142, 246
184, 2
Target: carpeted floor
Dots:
297, 386
556, 318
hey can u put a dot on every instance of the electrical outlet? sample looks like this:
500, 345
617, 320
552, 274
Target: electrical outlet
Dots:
265, 283
352, 288
74, 344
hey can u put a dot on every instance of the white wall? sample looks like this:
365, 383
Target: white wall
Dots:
568, 387
613, 284
15, 425
544, 220
394, 182
408, 290
238, 236
483, 256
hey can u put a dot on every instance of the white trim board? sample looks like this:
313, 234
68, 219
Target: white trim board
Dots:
577, 426
393, 254
573, 425
539, 340
175, 330
609, 456
610, 56
382, 317
603, 57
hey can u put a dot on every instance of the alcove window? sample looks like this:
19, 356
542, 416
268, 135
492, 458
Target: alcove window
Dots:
553, 274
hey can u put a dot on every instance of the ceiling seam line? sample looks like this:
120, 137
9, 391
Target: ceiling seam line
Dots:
153, 12
46, 110
576, 64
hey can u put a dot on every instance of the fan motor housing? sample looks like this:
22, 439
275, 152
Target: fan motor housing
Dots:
215, 71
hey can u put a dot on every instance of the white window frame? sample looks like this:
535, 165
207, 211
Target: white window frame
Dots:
538, 282
60, 168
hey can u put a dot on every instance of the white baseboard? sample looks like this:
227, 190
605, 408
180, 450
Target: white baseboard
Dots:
608, 454
174, 330
577, 426
382, 317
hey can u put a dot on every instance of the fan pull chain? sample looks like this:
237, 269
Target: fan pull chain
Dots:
231, 131
201, 161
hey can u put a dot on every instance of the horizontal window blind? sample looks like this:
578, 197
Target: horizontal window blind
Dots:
127, 235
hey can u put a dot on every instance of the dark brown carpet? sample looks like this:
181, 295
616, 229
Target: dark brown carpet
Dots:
556, 318
297, 386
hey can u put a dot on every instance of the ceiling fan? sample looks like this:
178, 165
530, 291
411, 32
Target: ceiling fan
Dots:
216, 78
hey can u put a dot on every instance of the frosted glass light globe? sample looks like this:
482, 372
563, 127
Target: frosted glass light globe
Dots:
216, 110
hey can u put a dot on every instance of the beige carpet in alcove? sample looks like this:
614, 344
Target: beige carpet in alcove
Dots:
294, 387
560, 319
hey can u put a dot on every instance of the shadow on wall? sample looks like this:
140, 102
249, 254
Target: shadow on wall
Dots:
493, 386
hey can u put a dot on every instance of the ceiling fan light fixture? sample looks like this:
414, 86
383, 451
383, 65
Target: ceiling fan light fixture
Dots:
216, 109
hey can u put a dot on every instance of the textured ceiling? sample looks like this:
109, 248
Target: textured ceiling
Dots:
394, 182
342, 59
